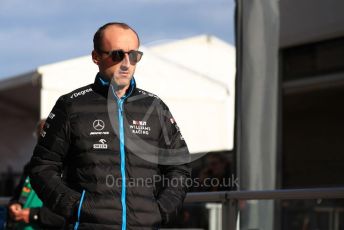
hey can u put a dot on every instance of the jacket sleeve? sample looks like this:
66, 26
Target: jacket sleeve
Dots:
47, 163
174, 167
46, 218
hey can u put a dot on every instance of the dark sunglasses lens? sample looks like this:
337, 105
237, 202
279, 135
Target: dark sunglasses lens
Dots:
117, 55
135, 56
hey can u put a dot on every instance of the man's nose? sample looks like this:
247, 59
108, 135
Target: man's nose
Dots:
125, 62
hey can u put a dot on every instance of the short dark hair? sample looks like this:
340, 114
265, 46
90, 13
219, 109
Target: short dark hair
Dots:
97, 39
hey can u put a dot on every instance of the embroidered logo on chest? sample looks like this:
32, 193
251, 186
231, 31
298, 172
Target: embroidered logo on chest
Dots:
140, 127
101, 145
99, 125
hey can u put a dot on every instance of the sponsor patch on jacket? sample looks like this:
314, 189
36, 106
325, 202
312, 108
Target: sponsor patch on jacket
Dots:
149, 94
174, 123
51, 115
83, 92
101, 144
140, 127
98, 126
43, 133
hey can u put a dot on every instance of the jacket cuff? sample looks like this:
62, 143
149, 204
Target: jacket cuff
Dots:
34, 216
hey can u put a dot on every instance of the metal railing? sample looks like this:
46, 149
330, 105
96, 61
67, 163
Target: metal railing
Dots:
229, 199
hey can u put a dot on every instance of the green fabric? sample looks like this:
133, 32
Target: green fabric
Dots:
29, 199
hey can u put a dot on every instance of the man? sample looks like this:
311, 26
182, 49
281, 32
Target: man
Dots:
111, 129
25, 208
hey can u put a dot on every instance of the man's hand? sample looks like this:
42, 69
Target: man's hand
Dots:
14, 209
19, 214
25, 215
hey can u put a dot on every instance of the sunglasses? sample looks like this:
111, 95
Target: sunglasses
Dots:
118, 55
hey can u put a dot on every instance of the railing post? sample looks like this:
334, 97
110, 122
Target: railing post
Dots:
229, 214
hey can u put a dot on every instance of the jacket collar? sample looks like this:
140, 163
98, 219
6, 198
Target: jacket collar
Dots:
101, 85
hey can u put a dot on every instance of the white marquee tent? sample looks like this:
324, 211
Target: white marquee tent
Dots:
194, 76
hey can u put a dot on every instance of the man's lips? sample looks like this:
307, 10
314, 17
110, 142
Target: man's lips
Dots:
123, 72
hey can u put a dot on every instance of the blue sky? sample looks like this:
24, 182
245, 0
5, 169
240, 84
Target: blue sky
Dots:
38, 32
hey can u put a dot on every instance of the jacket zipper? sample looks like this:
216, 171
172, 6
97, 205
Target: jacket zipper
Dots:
76, 226
120, 102
122, 151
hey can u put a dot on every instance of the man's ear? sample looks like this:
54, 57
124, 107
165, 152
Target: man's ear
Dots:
95, 57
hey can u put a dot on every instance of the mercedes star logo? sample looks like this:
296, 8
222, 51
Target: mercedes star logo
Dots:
98, 125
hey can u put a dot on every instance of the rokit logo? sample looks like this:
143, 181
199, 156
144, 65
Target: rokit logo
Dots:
100, 145
140, 127
98, 125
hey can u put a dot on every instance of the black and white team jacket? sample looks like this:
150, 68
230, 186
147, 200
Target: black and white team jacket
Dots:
104, 162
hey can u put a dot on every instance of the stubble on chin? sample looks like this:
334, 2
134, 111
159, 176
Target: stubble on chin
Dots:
120, 83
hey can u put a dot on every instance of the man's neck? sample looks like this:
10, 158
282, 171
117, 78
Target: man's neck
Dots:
120, 91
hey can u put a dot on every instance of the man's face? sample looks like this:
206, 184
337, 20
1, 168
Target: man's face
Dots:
116, 38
